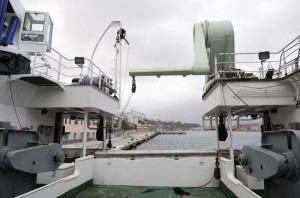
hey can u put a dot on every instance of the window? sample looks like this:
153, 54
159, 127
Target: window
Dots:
34, 26
34, 22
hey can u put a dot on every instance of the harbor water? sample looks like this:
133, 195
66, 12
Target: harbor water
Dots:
200, 140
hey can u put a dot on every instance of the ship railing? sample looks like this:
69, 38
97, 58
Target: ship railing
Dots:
279, 65
56, 66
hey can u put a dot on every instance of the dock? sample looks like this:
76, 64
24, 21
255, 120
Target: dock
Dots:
173, 132
125, 142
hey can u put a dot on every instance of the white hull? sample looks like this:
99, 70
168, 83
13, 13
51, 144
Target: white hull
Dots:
156, 171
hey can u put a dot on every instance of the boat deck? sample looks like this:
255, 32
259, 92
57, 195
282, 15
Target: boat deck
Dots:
97, 191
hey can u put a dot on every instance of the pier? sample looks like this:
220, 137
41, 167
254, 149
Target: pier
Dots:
125, 142
173, 132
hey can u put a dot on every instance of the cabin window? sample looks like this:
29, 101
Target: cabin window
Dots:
34, 22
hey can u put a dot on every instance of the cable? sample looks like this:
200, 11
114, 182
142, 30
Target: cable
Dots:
127, 103
188, 188
93, 152
261, 116
12, 98
224, 97
126, 70
242, 100
227, 119
267, 86
201, 185
133, 90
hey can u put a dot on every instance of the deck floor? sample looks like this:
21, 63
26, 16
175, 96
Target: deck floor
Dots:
133, 192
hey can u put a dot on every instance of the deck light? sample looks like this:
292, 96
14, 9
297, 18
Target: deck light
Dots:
264, 55
79, 61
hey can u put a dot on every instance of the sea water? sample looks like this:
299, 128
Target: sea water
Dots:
200, 140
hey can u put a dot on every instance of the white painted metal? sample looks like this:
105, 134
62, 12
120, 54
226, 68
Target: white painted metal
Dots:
184, 172
231, 135
228, 178
217, 132
249, 181
201, 65
112, 24
79, 96
84, 169
277, 96
18, 8
145, 172
116, 68
34, 46
63, 171
85, 129
30, 96
120, 67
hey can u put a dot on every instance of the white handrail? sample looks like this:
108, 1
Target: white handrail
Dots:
58, 65
288, 59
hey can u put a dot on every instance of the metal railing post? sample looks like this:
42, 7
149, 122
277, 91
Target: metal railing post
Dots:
120, 68
297, 62
216, 67
262, 69
284, 63
34, 62
92, 71
99, 79
59, 68
47, 66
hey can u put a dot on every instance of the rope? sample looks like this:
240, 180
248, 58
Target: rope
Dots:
126, 70
133, 89
127, 103
13, 102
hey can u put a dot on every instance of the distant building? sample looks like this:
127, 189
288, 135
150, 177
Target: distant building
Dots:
133, 117
74, 131
143, 126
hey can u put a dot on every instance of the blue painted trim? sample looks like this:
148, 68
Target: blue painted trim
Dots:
11, 30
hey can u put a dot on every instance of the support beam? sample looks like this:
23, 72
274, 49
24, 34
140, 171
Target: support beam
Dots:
85, 125
217, 132
104, 133
231, 139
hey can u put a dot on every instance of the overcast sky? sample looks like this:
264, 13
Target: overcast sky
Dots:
160, 33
